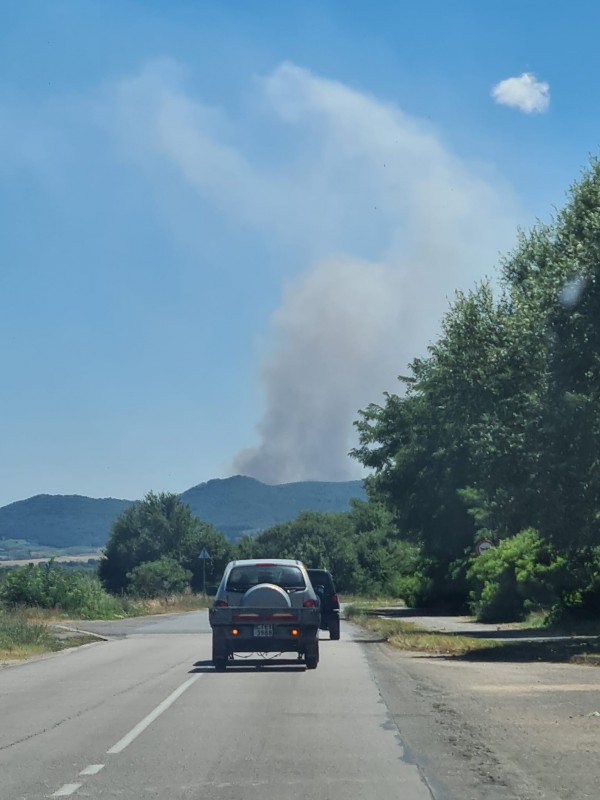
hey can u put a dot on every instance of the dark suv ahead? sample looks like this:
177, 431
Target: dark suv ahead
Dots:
330, 607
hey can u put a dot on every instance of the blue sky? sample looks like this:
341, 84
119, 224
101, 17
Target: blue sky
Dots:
225, 227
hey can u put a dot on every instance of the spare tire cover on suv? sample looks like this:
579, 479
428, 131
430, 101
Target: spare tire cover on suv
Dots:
266, 595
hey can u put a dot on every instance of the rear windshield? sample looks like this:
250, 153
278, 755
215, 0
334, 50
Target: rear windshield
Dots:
320, 577
243, 578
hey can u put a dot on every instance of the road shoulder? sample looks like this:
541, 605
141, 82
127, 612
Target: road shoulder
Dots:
493, 731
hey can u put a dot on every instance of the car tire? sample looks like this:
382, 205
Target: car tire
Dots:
219, 656
334, 629
311, 657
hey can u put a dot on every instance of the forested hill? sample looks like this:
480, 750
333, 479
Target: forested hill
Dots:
232, 505
60, 520
240, 504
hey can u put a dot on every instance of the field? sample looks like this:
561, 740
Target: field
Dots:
80, 557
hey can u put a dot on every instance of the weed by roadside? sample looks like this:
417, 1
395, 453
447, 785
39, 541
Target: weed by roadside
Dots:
407, 636
21, 638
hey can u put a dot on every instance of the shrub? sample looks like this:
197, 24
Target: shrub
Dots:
521, 574
50, 586
158, 578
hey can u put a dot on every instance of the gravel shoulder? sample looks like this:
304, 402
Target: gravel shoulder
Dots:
494, 730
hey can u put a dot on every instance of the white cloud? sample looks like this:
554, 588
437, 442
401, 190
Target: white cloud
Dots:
525, 93
389, 221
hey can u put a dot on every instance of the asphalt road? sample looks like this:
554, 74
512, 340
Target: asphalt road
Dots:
144, 715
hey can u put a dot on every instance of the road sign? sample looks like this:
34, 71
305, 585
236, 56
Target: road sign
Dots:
204, 556
483, 545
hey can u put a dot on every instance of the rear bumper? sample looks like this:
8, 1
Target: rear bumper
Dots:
224, 621
244, 641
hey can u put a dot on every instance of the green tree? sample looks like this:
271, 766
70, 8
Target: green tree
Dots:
158, 578
498, 429
160, 526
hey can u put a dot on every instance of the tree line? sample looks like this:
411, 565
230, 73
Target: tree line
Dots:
496, 433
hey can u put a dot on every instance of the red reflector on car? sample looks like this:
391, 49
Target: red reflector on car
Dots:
242, 617
309, 603
221, 604
281, 615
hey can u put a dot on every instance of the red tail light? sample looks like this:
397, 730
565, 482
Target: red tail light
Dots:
221, 604
334, 600
309, 603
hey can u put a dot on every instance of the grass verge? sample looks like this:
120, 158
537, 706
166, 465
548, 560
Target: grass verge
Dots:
22, 638
408, 636
27, 631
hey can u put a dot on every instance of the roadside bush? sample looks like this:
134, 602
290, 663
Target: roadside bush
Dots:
158, 578
580, 590
50, 586
519, 575
414, 589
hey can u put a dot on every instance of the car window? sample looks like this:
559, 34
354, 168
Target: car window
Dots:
243, 578
320, 577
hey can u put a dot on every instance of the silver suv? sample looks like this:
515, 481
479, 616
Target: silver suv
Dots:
265, 606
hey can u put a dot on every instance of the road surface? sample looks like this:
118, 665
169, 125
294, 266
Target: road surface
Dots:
144, 715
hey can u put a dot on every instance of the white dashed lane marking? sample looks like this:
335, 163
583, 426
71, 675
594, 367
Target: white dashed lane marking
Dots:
93, 769
141, 726
66, 790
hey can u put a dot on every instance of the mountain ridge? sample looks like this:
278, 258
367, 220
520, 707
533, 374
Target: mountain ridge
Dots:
234, 505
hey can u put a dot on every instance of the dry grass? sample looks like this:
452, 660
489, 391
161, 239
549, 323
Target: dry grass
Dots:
22, 638
23, 652
368, 603
174, 604
408, 636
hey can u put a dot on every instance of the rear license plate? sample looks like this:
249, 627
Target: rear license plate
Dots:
263, 630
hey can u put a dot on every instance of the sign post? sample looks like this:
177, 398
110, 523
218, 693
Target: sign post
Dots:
204, 556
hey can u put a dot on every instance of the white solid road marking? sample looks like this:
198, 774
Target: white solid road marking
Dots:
141, 726
93, 769
66, 790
